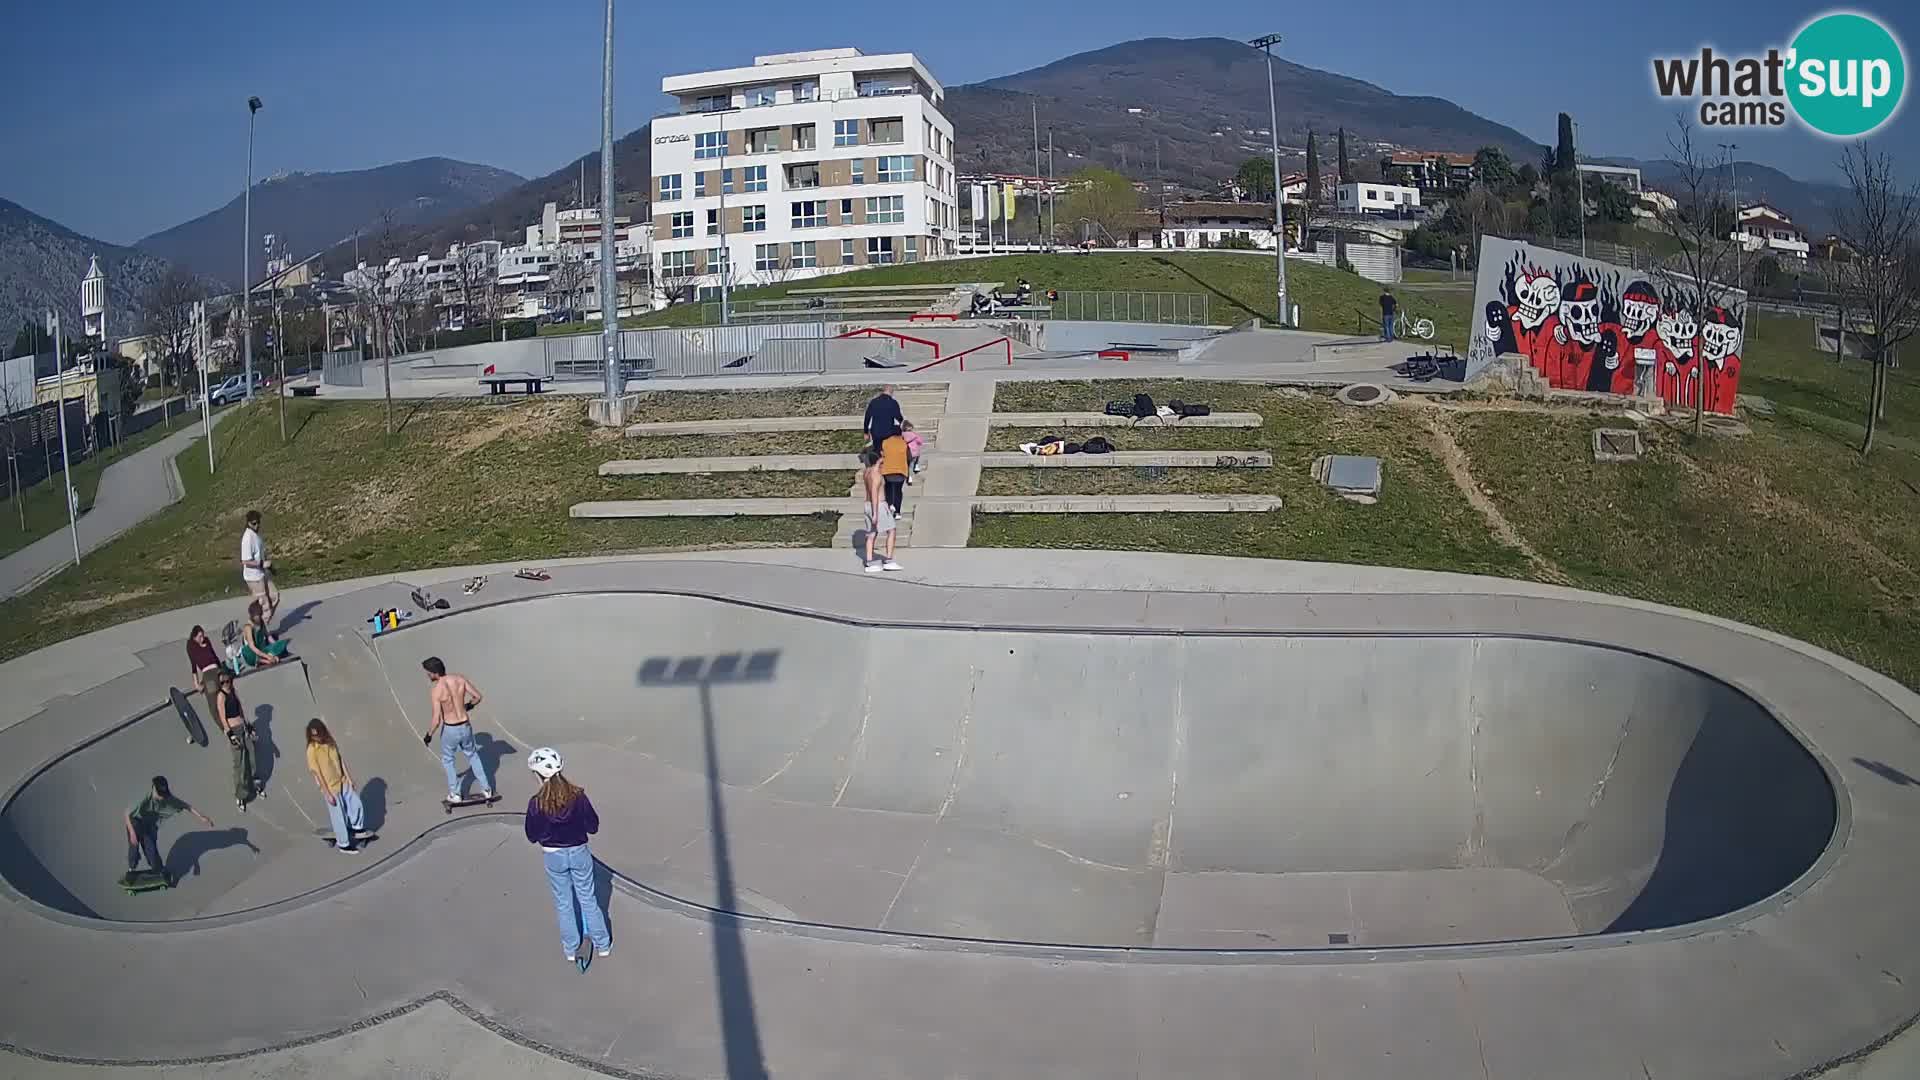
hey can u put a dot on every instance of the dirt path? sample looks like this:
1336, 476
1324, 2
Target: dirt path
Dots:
1439, 424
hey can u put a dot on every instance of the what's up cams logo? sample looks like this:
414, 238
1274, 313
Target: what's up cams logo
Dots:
1844, 76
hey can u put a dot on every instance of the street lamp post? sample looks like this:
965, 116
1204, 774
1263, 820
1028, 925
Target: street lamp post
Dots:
1739, 233
60, 409
1580, 180
609, 279
1265, 45
246, 253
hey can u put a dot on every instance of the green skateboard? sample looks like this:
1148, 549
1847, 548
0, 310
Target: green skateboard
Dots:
139, 881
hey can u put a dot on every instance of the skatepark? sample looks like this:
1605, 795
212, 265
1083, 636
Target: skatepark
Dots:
1005, 812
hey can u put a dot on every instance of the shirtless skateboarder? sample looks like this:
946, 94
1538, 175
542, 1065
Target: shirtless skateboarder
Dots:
451, 697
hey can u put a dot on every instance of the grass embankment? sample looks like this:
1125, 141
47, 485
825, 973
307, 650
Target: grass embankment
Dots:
1239, 286
45, 505
1421, 521
457, 484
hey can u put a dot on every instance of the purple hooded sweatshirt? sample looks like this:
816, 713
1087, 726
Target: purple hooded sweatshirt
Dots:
568, 828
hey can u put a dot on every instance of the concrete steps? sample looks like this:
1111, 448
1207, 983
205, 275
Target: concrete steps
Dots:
1167, 459
1013, 504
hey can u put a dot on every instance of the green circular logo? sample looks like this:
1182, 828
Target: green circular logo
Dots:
1847, 74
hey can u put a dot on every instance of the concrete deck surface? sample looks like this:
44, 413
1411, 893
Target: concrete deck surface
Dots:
802, 765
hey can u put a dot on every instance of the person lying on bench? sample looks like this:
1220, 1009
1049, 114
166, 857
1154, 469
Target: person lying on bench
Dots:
258, 646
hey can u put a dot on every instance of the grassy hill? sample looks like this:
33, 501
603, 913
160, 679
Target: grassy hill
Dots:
1240, 286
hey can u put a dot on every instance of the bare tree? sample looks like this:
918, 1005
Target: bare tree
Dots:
1836, 280
1880, 221
567, 281
474, 278
166, 317
1707, 249
13, 400
674, 285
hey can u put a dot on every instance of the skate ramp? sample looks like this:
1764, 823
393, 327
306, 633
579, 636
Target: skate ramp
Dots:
1094, 789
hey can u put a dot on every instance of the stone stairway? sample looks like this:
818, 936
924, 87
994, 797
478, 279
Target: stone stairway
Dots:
925, 406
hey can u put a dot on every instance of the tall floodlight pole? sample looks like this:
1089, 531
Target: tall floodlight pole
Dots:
1580, 180
1739, 233
726, 260
1051, 197
66, 466
202, 346
1036, 161
609, 282
246, 252
1265, 45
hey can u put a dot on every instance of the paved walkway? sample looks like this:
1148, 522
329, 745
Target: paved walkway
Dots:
131, 491
386, 982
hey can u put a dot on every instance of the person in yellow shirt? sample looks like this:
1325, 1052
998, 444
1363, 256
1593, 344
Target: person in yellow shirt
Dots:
336, 784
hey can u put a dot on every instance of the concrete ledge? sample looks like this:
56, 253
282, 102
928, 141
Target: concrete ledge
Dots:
1095, 419
751, 425
1128, 504
1171, 459
765, 463
653, 508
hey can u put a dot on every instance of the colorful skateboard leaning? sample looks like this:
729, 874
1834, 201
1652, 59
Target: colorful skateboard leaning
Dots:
139, 881
196, 732
449, 805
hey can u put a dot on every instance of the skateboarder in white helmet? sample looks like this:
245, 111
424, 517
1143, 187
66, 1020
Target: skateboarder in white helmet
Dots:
560, 817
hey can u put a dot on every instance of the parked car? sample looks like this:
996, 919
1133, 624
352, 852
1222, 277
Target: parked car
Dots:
235, 389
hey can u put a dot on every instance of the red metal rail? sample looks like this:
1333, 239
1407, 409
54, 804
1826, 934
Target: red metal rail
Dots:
933, 316
874, 331
964, 353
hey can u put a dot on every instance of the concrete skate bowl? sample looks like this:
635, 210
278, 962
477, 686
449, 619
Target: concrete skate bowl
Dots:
1099, 790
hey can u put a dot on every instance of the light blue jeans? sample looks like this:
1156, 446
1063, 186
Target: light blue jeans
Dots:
570, 876
347, 815
458, 740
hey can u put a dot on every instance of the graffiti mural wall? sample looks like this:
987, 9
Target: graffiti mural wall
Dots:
1590, 325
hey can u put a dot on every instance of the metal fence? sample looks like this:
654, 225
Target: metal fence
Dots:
343, 367
1185, 309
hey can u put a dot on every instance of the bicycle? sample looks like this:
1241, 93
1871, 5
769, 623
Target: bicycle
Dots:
1405, 326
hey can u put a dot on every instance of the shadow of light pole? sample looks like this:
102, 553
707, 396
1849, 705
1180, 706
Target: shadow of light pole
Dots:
739, 1028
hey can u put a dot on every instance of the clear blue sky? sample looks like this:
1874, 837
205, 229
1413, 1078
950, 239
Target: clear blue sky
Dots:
122, 118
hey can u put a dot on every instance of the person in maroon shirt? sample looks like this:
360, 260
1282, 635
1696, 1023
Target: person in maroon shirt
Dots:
204, 660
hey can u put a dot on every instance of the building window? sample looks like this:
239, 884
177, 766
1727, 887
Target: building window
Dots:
754, 178
889, 129
913, 250
809, 215
803, 176
846, 211
714, 103
709, 144
713, 222
846, 251
726, 181
674, 263
894, 170
762, 95
805, 254
807, 91
803, 136
753, 219
699, 185
763, 141
859, 170
886, 210
682, 225
846, 133
717, 260
670, 187
879, 249
766, 257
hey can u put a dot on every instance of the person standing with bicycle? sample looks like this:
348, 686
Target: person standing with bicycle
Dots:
1389, 308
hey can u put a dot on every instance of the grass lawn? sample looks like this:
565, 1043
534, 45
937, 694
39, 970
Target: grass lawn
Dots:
1421, 521
459, 483
1785, 529
1240, 286
45, 504
741, 404
1780, 363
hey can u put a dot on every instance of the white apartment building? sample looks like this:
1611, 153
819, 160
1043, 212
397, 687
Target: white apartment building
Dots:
802, 164
1376, 198
1765, 228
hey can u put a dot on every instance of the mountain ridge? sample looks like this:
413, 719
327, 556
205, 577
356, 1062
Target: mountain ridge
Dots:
42, 262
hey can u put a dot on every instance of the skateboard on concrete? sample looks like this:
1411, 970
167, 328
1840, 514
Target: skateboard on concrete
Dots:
139, 881
196, 732
426, 601
361, 837
449, 805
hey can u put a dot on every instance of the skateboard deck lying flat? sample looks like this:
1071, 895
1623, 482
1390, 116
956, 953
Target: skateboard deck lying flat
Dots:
142, 881
450, 804
360, 839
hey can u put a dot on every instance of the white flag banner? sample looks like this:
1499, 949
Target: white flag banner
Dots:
977, 202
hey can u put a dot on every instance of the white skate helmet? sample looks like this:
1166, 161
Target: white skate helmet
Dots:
545, 762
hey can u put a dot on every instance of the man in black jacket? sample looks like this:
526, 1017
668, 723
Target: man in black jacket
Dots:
883, 417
